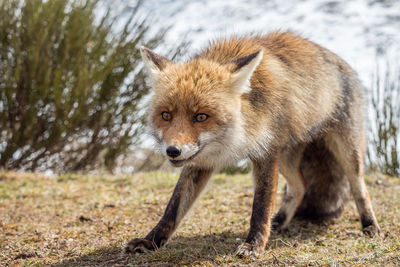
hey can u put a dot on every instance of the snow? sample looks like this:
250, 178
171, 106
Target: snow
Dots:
354, 29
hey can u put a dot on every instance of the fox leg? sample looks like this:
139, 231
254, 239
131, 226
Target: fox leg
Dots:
295, 188
190, 184
351, 160
265, 182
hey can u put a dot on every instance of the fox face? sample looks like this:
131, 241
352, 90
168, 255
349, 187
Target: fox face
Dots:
195, 113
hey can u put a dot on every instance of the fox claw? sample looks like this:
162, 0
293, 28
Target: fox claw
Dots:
371, 230
140, 245
248, 250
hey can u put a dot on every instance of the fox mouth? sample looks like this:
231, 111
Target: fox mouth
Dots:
177, 163
180, 162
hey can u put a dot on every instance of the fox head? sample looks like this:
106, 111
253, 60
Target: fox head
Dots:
195, 113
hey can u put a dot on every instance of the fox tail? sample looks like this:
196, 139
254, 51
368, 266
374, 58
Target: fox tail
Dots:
327, 188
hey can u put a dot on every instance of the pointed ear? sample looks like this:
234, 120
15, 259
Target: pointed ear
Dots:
154, 63
243, 71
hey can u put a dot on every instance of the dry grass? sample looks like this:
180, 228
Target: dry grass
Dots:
76, 220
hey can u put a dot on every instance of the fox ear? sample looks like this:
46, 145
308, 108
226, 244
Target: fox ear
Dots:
243, 70
154, 63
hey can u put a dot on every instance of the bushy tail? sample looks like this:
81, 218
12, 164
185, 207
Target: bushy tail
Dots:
327, 187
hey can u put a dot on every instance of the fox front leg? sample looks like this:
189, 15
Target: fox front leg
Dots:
191, 182
265, 183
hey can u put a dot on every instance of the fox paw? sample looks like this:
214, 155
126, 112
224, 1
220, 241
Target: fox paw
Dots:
372, 230
248, 250
140, 245
277, 224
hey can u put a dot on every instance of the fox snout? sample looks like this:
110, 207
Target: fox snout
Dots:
180, 154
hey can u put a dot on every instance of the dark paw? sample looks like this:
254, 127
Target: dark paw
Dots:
372, 230
277, 222
140, 245
248, 250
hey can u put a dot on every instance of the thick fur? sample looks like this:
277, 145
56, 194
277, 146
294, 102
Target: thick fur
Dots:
280, 100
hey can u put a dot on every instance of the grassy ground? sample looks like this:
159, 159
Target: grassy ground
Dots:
75, 220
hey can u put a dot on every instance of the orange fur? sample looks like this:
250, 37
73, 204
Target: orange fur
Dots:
277, 99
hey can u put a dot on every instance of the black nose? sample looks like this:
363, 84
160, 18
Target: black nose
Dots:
173, 151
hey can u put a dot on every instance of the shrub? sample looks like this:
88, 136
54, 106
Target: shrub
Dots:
70, 87
384, 148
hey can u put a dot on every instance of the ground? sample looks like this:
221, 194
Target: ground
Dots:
85, 220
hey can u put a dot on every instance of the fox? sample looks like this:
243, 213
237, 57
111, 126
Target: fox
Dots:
283, 102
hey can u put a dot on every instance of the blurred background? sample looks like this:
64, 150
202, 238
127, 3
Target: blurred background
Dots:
73, 93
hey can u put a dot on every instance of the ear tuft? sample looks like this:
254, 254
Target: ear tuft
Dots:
244, 68
153, 62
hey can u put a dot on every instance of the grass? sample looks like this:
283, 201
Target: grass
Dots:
81, 220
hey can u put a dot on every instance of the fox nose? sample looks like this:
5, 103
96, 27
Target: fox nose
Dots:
173, 151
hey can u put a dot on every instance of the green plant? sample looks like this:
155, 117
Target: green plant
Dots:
71, 89
384, 148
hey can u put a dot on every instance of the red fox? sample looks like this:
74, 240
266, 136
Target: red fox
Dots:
287, 104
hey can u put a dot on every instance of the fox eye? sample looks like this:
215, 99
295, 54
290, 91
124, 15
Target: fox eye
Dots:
201, 117
166, 116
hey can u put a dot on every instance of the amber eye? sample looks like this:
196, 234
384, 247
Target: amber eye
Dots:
166, 116
200, 117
